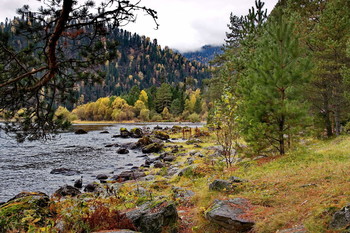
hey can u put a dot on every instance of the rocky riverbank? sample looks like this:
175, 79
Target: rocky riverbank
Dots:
184, 186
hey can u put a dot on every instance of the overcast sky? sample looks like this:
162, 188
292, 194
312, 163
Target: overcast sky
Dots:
185, 25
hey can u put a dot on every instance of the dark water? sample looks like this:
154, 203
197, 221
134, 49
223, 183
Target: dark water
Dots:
27, 166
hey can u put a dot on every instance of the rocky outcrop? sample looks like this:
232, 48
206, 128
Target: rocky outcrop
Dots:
341, 218
231, 214
67, 190
154, 217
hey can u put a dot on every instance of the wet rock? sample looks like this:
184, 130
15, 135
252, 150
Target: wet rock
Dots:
65, 171
104, 132
231, 214
129, 164
158, 164
122, 150
80, 131
157, 128
144, 141
67, 190
341, 218
90, 188
136, 133
112, 145
161, 135
124, 133
129, 175
102, 177
154, 218
78, 183
152, 148
219, 185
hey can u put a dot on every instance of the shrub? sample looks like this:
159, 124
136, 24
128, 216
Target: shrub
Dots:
194, 117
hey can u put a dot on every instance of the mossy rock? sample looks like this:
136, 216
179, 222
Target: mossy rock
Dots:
124, 133
25, 210
161, 135
136, 133
144, 141
152, 148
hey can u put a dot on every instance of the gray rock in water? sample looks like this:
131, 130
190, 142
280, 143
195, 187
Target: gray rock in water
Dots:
228, 214
102, 177
122, 150
67, 190
219, 185
80, 131
341, 218
153, 219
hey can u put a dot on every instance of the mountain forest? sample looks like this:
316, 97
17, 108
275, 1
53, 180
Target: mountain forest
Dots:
269, 150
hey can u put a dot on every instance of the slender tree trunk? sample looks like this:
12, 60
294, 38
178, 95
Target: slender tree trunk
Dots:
337, 122
281, 126
327, 116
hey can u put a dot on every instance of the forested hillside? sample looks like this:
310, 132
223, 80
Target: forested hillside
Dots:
206, 54
139, 62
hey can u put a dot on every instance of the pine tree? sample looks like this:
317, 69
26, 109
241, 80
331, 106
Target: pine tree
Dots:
271, 108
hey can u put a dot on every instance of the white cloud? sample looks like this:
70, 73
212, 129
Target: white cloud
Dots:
184, 24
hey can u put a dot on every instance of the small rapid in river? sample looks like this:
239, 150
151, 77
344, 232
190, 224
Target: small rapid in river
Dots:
27, 166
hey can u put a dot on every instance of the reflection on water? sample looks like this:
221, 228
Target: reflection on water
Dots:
27, 166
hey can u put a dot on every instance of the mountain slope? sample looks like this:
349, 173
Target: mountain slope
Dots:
204, 55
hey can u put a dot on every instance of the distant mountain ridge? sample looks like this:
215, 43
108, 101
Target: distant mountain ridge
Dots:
140, 62
205, 54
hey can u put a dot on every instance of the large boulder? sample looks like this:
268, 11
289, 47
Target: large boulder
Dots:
154, 217
136, 133
144, 141
161, 135
15, 213
231, 214
124, 133
341, 218
152, 148
64, 171
67, 190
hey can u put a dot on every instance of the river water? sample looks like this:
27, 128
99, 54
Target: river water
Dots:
27, 166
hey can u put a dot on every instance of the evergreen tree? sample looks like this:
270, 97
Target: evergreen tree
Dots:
163, 97
271, 107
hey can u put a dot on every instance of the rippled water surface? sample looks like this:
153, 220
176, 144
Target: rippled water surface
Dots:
27, 166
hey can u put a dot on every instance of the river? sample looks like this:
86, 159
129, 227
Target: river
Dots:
27, 166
